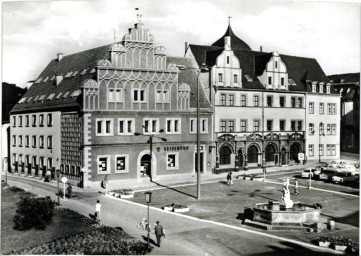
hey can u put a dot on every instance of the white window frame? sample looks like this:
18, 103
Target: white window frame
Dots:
103, 127
126, 128
151, 128
245, 125
311, 129
172, 126
41, 141
20, 141
243, 102
321, 149
162, 96
14, 140
204, 125
328, 129
333, 109
194, 121
328, 150
126, 170
33, 141
333, 129
49, 145
176, 167
138, 93
321, 108
254, 101
116, 95
311, 151
49, 120
108, 164
311, 107
328, 89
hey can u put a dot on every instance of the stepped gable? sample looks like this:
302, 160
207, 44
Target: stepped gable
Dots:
236, 42
70, 63
189, 76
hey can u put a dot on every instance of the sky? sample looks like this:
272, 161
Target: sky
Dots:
33, 32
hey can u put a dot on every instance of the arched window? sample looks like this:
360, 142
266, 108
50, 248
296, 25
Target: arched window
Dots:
270, 153
294, 150
252, 154
224, 155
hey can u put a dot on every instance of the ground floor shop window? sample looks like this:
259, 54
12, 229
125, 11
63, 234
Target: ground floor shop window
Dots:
103, 165
121, 163
172, 161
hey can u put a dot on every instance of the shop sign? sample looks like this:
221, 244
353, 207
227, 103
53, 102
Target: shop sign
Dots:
174, 148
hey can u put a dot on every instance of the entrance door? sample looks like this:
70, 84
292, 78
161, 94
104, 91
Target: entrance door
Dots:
201, 161
145, 168
294, 150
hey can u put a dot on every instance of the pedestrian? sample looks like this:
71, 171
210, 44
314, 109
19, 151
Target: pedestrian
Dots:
105, 184
159, 232
296, 187
98, 207
229, 179
70, 190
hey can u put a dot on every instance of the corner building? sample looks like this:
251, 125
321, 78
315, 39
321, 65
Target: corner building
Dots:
100, 98
260, 104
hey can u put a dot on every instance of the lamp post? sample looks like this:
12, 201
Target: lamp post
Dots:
200, 70
148, 199
64, 180
58, 176
150, 141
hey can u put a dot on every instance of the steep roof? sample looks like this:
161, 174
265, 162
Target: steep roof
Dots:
189, 76
345, 78
86, 60
236, 42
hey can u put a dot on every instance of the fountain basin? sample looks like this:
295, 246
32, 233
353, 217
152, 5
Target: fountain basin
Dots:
274, 213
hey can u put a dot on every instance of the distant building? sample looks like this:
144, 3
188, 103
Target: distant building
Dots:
348, 85
82, 113
267, 105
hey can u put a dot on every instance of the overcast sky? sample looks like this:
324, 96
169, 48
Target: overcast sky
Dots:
34, 31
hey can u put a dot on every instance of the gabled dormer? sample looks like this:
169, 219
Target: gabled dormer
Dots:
275, 75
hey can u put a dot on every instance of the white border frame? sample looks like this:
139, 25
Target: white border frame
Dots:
126, 163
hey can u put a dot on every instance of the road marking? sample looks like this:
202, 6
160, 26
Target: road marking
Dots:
231, 226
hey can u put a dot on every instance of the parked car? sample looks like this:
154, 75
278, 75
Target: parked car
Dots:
336, 163
313, 171
327, 174
344, 177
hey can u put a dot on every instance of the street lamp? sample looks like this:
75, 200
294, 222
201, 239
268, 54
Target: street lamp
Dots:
58, 176
319, 140
150, 141
64, 180
200, 70
148, 199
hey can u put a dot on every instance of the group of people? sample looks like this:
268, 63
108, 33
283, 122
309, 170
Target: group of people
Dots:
158, 229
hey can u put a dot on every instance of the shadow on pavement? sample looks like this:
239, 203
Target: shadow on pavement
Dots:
176, 190
260, 194
151, 241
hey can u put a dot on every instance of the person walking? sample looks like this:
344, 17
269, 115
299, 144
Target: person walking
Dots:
229, 179
159, 232
296, 187
70, 190
105, 184
98, 207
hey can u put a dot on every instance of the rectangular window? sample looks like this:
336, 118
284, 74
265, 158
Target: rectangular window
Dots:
328, 149
322, 109
204, 125
299, 102
282, 125
321, 128
269, 80
231, 99
172, 161
333, 127
223, 126
126, 126
27, 141
293, 102
311, 129
269, 125
20, 121
163, 96
41, 162
14, 159
20, 140
111, 95
333, 150
34, 141
50, 120
313, 87
282, 101
14, 121
269, 101
27, 121
243, 125
333, 106
230, 126
299, 126
328, 129
192, 125
282, 81
27, 160
34, 120
256, 126
243, 100
320, 149
275, 64
41, 120
220, 78
223, 99
34, 161
173, 125
293, 125
103, 164
328, 89
328, 108
150, 125
256, 101
41, 141
14, 140
227, 59
311, 107
235, 79
139, 95
310, 150
121, 163
104, 127
50, 142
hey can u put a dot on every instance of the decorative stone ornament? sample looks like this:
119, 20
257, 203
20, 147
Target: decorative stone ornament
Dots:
104, 63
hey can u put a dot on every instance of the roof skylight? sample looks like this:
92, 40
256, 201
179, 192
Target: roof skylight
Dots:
59, 95
291, 82
84, 71
75, 93
51, 96
249, 79
66, 94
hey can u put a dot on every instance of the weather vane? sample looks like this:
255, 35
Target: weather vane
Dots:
139, 16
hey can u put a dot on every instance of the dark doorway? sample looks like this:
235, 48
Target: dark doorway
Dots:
224, 155
240, 159
294, 150
252, 154
145, 165
201, 161
283, 155
270, 153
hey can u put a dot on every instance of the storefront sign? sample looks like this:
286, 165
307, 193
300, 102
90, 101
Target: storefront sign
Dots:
175, 148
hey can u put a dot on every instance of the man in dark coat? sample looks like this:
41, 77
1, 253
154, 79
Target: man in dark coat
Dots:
159, 232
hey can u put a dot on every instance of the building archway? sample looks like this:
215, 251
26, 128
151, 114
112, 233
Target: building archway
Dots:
294, 150
270, 152
225, 155
252, 154
144, 169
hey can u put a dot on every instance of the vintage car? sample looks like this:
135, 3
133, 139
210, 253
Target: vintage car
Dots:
344, 177
327, 174
313, 171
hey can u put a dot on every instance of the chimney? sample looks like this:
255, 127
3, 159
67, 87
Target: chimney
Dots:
186, 47
260, 49
60, 56
59, 78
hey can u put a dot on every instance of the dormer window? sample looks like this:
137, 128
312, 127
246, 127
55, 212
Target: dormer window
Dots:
83, 72
249, 79
328, 89
313, 87
321, 88
58, 95
220, 78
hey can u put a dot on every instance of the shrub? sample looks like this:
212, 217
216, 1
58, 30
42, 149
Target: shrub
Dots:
33, 212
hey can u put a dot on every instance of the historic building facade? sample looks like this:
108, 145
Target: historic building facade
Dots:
260, 101
124, 110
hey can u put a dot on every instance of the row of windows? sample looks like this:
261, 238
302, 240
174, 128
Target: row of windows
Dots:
49, 120
227, 99
27, 160
331, 108
330, 150
139, 95
126, 126
229, 125
18, 141
220, 78
320, 88
331, 129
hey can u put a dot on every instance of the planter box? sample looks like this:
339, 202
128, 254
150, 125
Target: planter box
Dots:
181, 209
168, 208
126, 196
324, 244
341, 248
